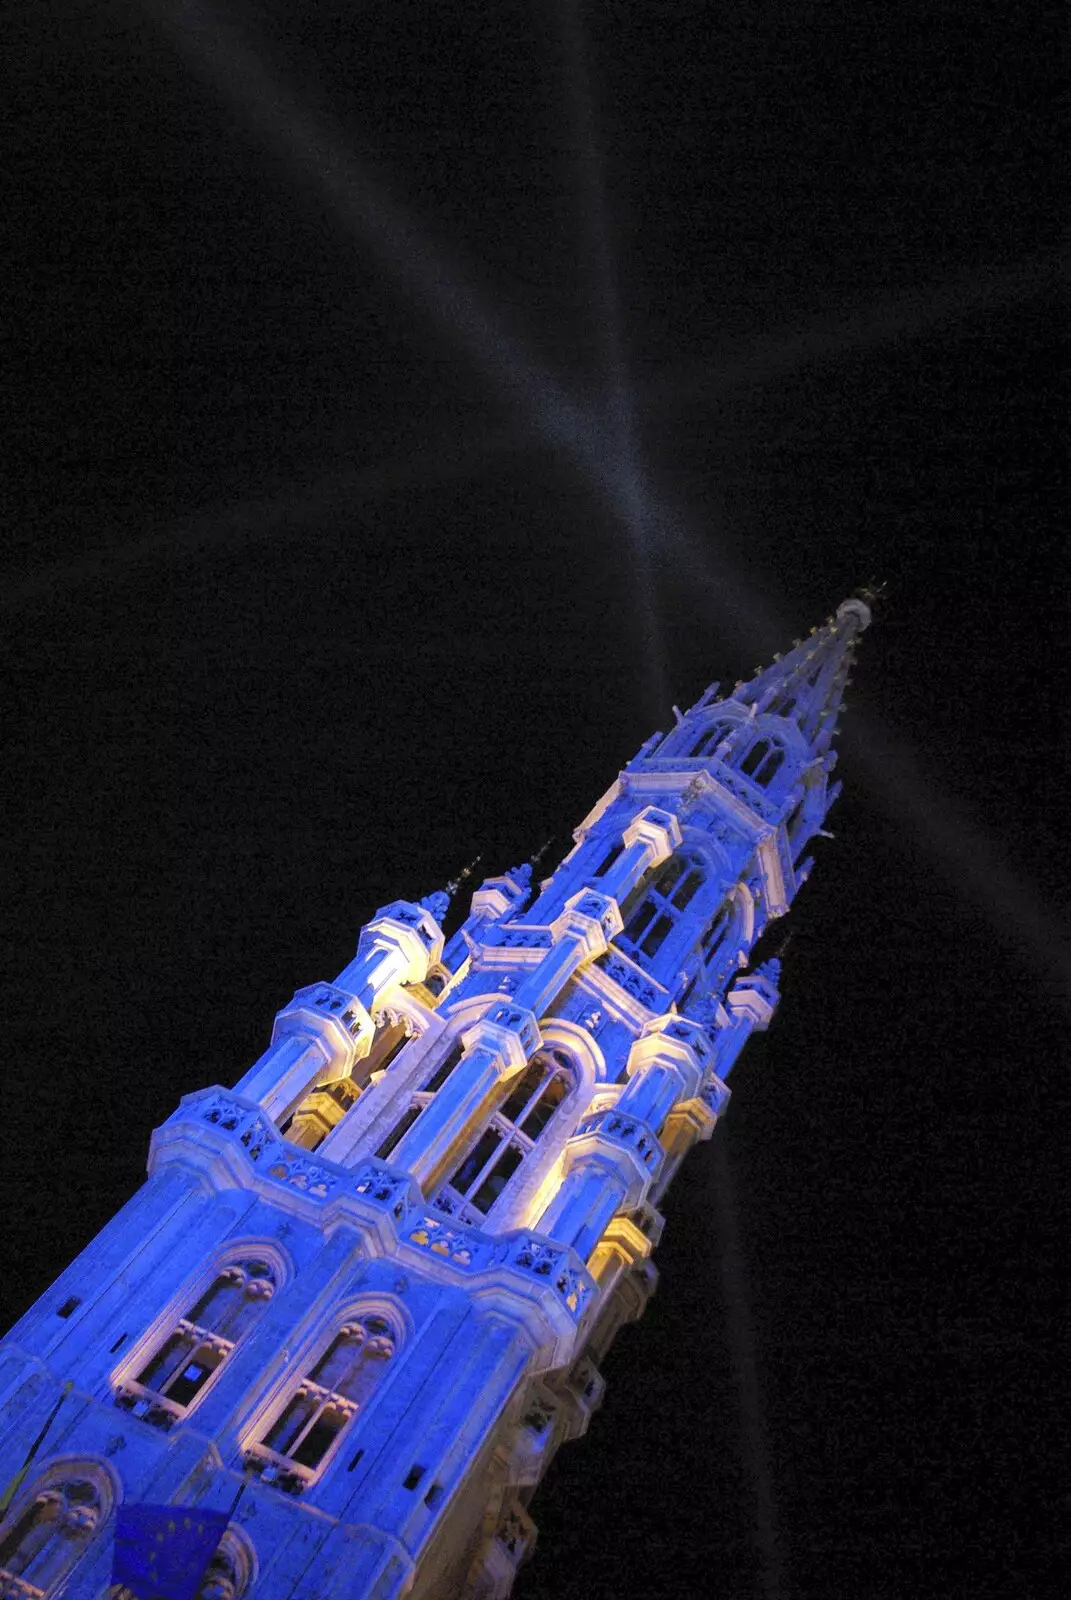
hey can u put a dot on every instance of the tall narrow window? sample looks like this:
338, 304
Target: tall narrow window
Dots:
608, 859
482, 1175
398, 1132
444, 1069
298, 1444
668, 894
711, 738
762, 761
419, 1099
49, 1529
715, 935
188, 1358
324, 1107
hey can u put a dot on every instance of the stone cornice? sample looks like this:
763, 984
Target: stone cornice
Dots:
231, 1145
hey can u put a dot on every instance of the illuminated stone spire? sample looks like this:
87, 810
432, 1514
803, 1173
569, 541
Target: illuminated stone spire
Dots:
374, 1280
806, 685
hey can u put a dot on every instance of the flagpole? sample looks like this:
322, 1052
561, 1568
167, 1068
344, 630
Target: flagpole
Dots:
13, 1487
242, 1487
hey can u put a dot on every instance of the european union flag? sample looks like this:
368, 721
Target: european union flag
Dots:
162, 1552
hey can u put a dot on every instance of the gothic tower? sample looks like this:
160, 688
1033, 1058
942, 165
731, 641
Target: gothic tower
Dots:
376, 1278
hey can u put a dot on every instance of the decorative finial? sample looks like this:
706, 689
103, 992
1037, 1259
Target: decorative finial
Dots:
872, 592
648, 745
521, 875
466, 872
438, 903
541, 852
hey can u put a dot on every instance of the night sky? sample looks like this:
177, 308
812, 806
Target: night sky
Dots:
409, 405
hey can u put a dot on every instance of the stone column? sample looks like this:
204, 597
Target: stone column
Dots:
751, 1003
327, 1027
397, 946
589, 920
496, 1050
613, 1158
609, 1164
650, 838
623, 1246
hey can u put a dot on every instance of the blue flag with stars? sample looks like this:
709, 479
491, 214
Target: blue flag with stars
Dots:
162, 1552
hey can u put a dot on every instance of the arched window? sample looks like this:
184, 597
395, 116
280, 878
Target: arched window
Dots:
297, 1446
189, 1357
711, 738
480, 1178
665, 897
229, 1570
762, 761
49, 1528
227, 1576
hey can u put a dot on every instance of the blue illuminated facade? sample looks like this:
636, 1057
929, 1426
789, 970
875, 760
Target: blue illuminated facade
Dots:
375, 1279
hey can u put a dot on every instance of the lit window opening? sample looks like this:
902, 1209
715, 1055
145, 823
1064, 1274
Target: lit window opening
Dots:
298, 1444
197, 1345
49, 1529
661, 903
480, 1178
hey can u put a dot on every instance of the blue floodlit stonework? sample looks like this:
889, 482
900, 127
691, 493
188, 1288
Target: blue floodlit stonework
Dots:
376, 1277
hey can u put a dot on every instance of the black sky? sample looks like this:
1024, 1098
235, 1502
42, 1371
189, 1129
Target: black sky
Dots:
302, 610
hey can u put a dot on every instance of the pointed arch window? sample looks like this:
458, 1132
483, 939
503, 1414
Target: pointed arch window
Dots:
229, 1571
762, 761
227, 1576
49, 1529
669, 893
191, 1354
480, 1178
710, 949
711, 738
298, 1445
